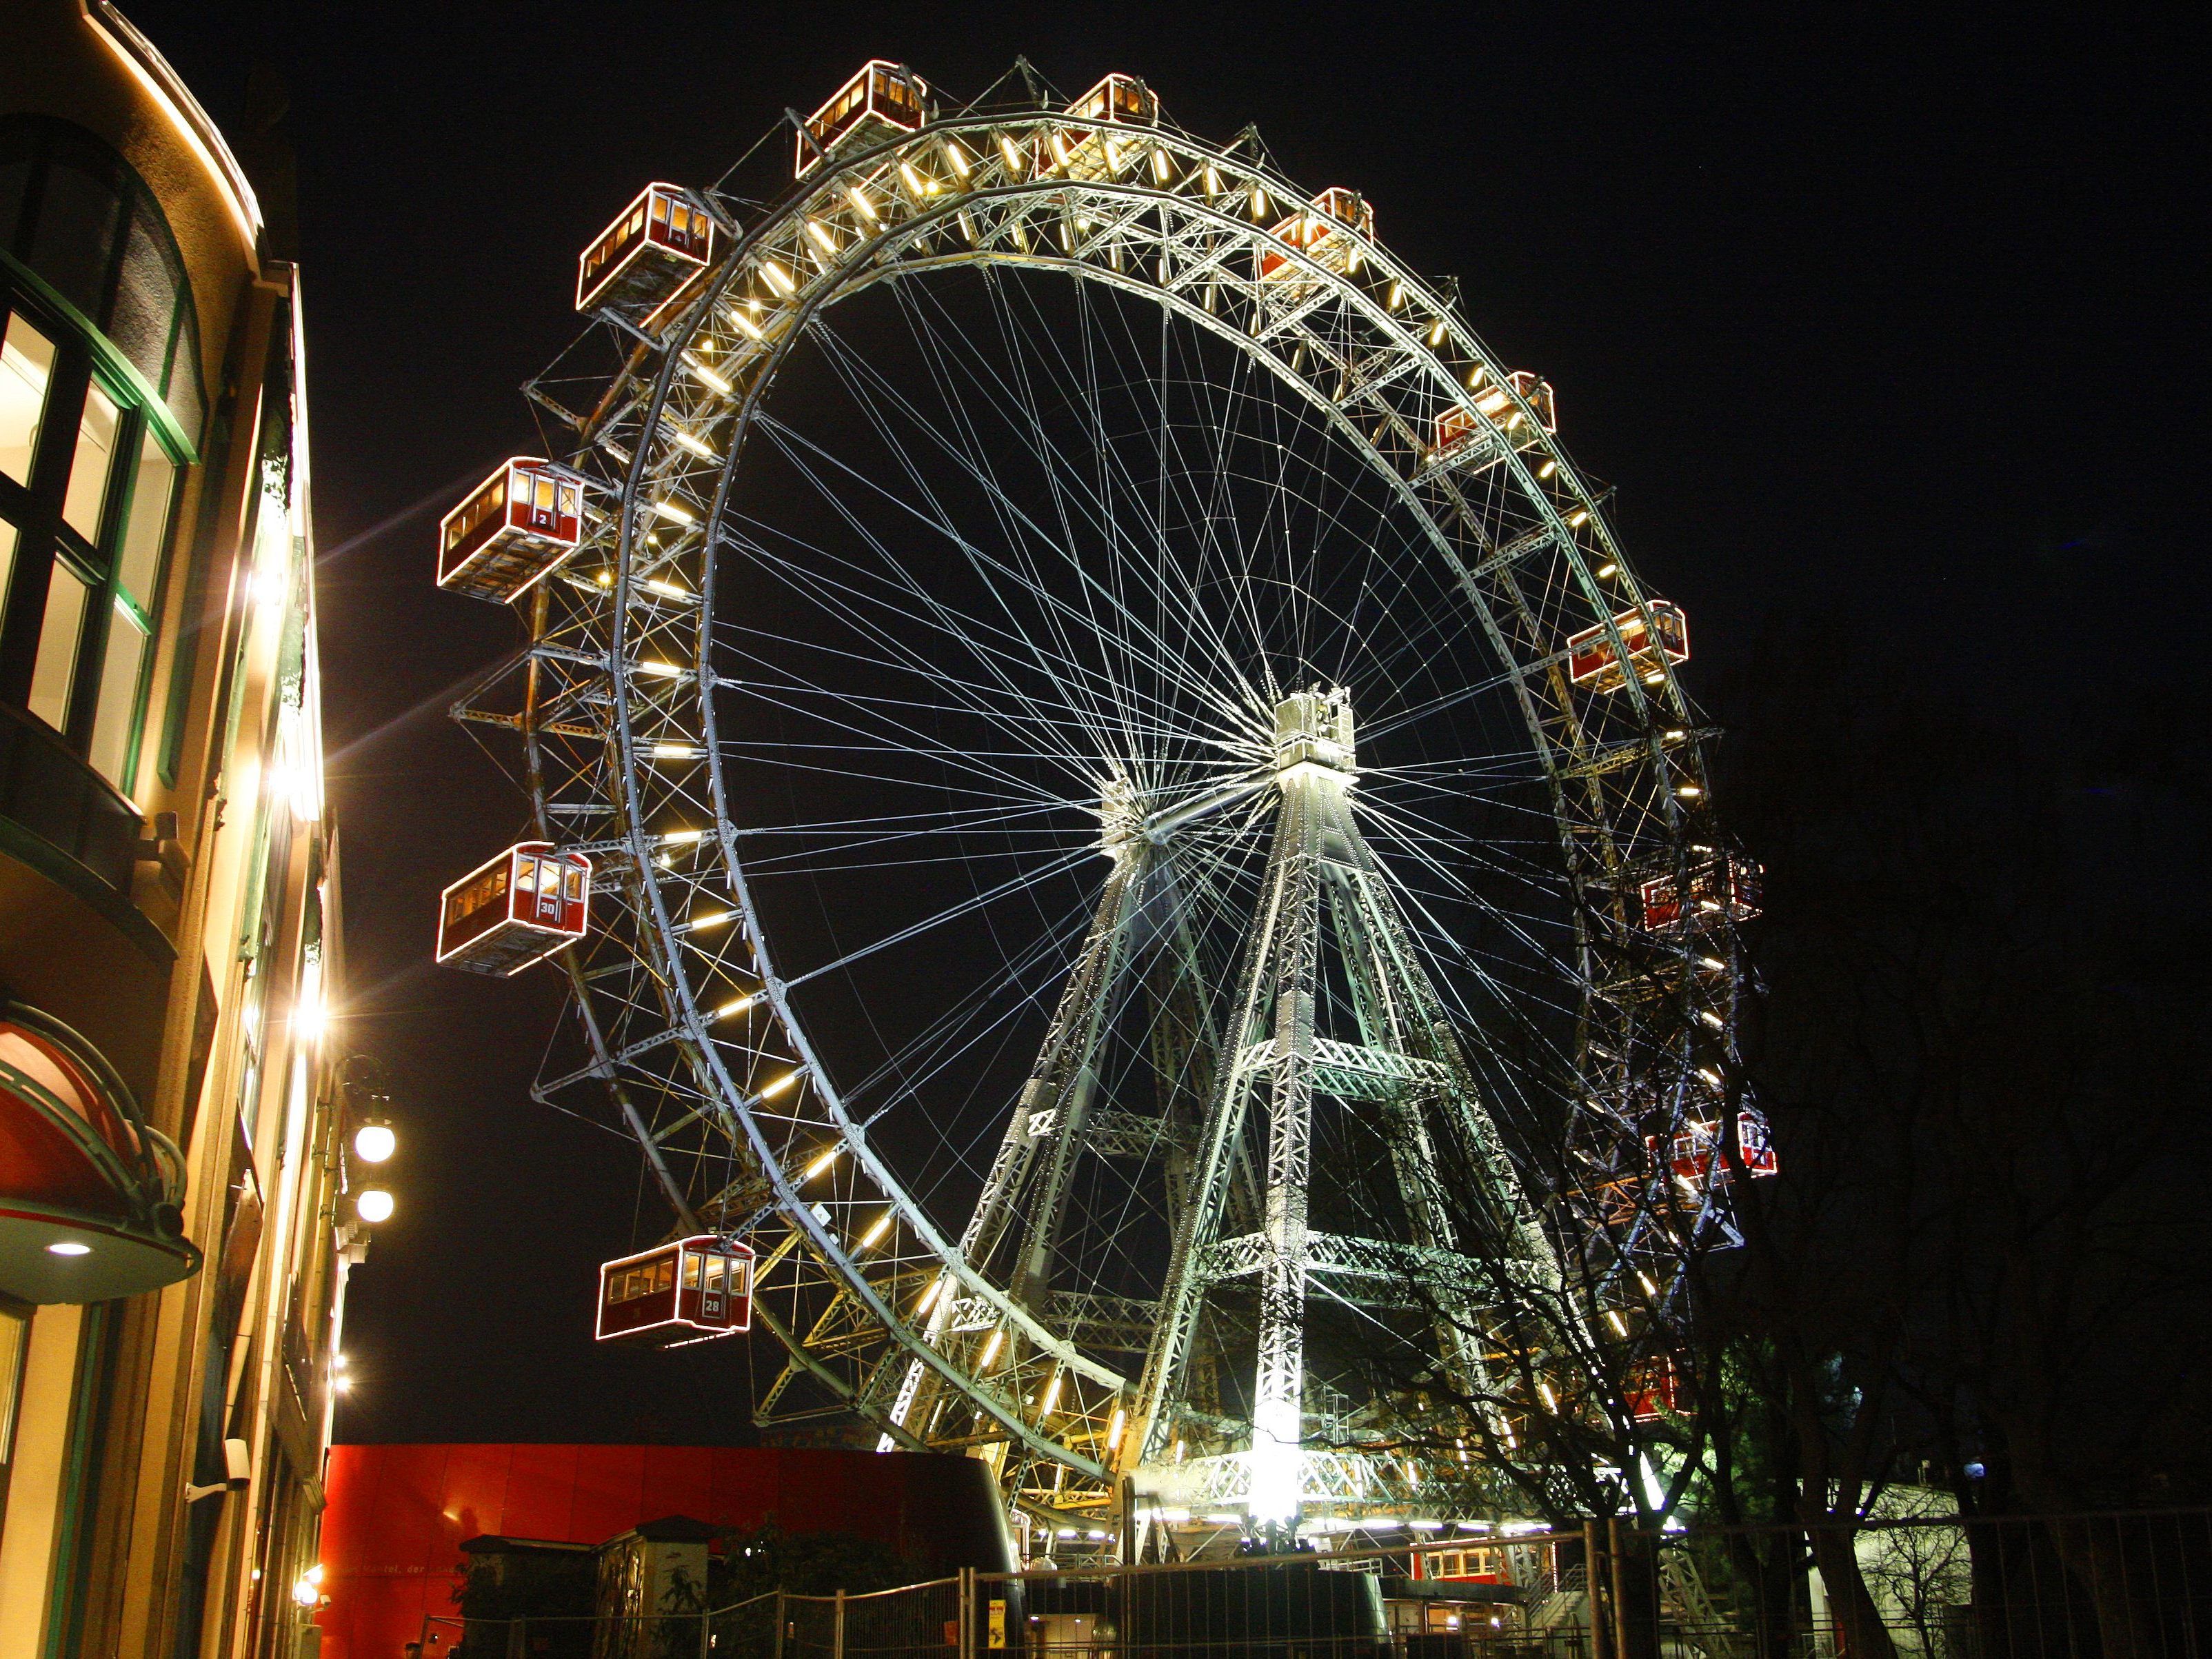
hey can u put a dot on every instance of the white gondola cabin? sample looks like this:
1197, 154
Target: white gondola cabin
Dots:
1457, 428
1318, 231
649, 258
884, 99
1084, 153
1652, 644
1721, 886
1695, 1159
518, 909
692, 1290
515, 529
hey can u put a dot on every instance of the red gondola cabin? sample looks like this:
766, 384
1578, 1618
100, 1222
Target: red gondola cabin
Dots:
1655, 1391
515, 529
1456, 427
649, 258
1319, 231
884, 99
692, 1290
1723, 885
519, 908
1695, 1160
1664, 639
1122, 99
1476, 1563
1118, 97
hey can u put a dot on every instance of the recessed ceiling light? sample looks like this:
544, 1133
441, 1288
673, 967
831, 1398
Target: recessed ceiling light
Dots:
69, 1247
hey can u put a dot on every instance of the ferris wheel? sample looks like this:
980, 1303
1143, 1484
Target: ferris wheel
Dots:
1115, 815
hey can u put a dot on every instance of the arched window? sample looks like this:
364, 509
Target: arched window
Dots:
101, 407
75, 214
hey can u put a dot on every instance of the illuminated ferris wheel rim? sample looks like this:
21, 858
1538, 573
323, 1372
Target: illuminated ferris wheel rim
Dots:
893, 209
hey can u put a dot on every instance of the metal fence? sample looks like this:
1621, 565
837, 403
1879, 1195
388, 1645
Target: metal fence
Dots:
1905, 1586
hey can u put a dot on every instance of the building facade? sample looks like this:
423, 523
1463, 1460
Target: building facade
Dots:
178, 1191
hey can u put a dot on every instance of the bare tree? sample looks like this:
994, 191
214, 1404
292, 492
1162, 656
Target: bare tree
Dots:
1984, 979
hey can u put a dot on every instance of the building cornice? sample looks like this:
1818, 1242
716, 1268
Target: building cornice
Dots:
144, 60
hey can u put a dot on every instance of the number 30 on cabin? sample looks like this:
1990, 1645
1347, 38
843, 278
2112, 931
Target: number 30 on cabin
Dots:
519, 908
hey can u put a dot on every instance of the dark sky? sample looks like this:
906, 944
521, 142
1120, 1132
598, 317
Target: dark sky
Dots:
1883, 322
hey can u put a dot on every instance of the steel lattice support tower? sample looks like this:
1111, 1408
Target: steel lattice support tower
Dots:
1406, 1066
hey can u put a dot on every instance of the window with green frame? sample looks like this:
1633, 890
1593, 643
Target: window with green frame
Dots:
88, 488
100, 405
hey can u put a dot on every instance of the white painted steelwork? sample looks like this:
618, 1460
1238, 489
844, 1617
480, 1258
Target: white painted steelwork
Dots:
1093, 666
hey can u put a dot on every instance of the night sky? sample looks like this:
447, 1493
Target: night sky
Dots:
1887, 327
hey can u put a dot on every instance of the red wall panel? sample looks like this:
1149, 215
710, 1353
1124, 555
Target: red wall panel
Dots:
541, 1489
475, 1495
608, 1493
677, 1481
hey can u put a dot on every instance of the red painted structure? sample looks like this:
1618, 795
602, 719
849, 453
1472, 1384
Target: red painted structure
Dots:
656, 248
1695, 1158
884, 99
1723, 883
397, 1515
1657, 1391
1455, 426
1315, 229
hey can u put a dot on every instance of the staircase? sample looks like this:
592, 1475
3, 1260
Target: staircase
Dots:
1699, 1622
1560, 1598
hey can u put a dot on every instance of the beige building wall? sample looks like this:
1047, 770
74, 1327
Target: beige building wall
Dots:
202, 972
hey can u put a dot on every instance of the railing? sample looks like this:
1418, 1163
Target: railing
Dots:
2130, 1586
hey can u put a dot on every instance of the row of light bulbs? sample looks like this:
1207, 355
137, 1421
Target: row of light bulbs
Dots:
373, 1143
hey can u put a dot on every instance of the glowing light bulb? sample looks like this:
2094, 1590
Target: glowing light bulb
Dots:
375, 1143
374, 1204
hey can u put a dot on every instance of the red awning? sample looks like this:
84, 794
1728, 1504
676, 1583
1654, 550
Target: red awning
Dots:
90, 1195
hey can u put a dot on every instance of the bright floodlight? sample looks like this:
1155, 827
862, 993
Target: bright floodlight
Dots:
374, 1204
375, 1143
69, 1247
